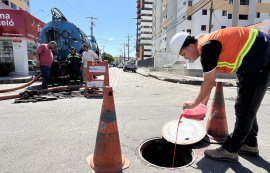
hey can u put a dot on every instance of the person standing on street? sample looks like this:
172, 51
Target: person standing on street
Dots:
54, 70
88, 55
245, 51
44, 58
74, 61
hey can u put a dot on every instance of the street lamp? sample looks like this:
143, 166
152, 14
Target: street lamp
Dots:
37, 12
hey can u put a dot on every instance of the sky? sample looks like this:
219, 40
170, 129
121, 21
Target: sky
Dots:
115, 20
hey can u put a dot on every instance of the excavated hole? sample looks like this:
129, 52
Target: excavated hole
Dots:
159, 152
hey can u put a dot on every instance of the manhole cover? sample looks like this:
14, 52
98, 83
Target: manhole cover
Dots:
158, 152
189, 132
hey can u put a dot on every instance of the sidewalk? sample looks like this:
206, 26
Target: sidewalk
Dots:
180, 78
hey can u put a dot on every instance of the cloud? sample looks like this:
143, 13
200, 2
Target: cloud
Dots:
112, 38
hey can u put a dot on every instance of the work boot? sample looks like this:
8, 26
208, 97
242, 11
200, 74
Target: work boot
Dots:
221, 155
251, 151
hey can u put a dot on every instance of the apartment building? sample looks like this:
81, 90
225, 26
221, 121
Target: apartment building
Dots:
164, 18
193, 16
16, 5
144, 22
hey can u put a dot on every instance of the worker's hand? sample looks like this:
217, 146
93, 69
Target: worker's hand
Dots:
68, 62
37, 63
188, 105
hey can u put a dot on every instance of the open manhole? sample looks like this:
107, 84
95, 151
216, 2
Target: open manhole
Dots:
158, 152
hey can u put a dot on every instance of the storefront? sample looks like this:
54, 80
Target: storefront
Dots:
19, 33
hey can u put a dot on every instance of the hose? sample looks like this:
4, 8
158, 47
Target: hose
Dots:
23, 86
43, 91
10, 97
61, 88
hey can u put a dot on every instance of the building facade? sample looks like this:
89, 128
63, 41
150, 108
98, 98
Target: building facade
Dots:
144, 30
19, 33
16, 5
193, 16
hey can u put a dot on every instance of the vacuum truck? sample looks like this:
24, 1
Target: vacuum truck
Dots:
66, 35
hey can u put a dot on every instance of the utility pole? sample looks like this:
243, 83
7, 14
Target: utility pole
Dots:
128, 44
210, 20
124, 52
235, 15
92, 25
120, 55
103, 51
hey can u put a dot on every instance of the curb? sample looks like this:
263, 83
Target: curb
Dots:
182, 80
13, 81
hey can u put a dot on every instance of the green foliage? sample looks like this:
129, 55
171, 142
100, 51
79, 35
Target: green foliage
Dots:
6, 68
107, 57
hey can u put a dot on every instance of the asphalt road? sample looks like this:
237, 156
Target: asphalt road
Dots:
57, 136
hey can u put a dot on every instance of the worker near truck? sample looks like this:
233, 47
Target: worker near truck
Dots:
88, 55
245, 51
54, 70
74, 61
44, 58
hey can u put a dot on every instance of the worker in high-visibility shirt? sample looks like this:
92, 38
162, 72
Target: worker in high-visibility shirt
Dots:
245, 51
74, 61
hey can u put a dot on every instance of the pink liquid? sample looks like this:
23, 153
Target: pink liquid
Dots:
176, 139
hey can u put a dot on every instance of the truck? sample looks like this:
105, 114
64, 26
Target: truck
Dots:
66, 35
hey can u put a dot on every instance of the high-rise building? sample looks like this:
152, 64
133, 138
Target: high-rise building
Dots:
144, 19
16, 5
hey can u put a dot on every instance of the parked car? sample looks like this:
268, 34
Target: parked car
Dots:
31, 65
131, 66
120, 65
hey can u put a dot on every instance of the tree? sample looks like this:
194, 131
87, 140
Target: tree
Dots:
107, 57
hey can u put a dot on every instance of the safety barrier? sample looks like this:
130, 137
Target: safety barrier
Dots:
95, 87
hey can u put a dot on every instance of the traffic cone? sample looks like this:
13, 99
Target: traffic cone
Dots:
216, 126
107, 156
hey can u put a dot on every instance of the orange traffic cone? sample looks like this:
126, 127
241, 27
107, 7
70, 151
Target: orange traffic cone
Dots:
216, 126
107, 155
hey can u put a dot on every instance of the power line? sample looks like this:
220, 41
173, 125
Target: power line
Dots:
74, 8
86, 8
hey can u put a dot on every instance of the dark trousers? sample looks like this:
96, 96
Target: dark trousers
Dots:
54, 73
251, 90
74, 75
45, 70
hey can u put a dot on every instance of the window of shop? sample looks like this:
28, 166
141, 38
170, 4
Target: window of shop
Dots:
6, 53
13, 6
31, 51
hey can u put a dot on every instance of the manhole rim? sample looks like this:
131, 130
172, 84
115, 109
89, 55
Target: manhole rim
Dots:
193, 154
